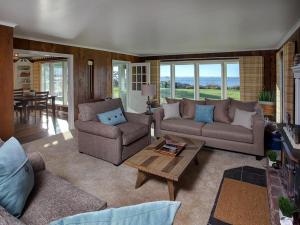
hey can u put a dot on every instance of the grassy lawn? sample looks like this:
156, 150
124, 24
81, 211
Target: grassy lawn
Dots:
204, 93
189, 93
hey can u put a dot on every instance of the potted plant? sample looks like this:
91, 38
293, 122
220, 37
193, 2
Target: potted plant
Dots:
286, 211
272, 157
266, 99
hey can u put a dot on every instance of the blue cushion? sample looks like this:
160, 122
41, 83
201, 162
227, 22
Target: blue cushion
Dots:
16, 177
204, 113
113, 117
152, 213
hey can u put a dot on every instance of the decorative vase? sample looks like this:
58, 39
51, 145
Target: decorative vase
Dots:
285, 220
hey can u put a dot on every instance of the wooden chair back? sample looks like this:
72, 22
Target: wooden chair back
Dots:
18, 92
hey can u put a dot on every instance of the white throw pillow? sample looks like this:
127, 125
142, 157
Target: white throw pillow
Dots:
243, 118
171, 111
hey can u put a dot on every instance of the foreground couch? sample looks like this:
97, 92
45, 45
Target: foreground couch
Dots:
217, 135
111, 143
52, 198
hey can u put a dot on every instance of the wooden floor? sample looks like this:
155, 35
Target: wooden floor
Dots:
35, 129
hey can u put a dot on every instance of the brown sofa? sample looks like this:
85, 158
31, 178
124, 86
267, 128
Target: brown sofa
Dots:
111, 143
52, 198
218, 134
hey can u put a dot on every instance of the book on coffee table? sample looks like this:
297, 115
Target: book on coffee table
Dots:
169, 147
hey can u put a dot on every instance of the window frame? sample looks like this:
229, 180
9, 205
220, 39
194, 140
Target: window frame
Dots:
197, 63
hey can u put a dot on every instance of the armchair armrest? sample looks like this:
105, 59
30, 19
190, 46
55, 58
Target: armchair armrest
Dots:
139, 118
158, 117
97, 128
37, 162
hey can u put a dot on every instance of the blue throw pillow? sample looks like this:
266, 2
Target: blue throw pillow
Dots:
16, 177
152, 213
113, 117
204, 113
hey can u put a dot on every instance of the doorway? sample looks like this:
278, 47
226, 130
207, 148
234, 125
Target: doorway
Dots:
42, 74
120, 79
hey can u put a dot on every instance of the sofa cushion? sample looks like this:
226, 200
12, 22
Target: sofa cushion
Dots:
204, 113
189, 108
174, 100
8, 219
54, 198
16, 177
182, 126
171, 111
132, 131
243, 118
221, 109
227, 132
150, 213
246, 106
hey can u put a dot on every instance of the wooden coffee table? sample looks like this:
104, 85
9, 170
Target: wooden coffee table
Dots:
148, 161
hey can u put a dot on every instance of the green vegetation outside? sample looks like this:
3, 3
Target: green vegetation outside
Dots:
189, 93
204, 93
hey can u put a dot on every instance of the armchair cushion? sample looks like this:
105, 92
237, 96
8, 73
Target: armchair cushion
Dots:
96, 128
132, 131
138, 118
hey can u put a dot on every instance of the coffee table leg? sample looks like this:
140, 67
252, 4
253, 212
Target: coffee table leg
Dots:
141, 177
196, 159
171, 188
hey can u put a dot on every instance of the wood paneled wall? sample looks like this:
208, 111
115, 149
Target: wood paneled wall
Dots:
102, 65
296, 38
268, 55
6, 82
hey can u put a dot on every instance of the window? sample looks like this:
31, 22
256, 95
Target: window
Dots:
184, 81
54, 78
233, 80
116, 87
216, 79
165, 82
210, 77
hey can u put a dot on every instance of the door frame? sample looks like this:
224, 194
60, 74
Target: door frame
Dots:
70, 59
128, 73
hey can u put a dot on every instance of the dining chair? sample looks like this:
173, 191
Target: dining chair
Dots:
40, 103
18, 106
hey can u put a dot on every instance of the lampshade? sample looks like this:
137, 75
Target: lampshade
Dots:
148, 90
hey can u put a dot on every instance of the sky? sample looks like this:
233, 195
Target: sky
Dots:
207, 70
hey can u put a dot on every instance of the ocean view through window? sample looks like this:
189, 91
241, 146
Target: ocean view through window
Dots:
217, 79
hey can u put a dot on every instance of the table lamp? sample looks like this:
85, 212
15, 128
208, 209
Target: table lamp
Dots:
150, 91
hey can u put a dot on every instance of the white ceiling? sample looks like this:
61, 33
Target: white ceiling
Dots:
155, 27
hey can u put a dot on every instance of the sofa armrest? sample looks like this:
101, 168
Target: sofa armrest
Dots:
258, 132
97, 128
158, 117
37, 162
139, 118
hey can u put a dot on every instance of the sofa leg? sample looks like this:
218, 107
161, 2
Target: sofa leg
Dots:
258, 157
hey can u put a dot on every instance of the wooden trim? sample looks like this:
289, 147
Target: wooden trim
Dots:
6, 83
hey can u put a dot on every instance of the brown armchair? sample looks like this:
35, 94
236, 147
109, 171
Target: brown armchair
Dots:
111, 143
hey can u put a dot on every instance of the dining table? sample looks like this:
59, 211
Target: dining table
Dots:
26, 99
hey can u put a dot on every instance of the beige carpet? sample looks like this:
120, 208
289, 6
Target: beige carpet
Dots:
197, 189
